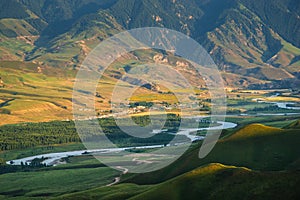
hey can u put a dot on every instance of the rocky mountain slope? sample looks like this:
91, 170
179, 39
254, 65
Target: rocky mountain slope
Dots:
253, 44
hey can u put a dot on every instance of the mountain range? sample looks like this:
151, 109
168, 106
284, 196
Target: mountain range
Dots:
255, 44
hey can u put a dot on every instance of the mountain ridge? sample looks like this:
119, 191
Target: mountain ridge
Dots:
242, 41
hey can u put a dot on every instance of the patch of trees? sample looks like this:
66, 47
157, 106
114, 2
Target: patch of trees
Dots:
28, 135
233, 111
5, 111
142, 103
121, 139
267, 108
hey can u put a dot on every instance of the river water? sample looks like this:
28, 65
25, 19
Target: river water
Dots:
53, 158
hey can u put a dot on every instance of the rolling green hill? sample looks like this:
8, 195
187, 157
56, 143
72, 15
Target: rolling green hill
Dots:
258, 162
254, 130
270, 155
214, 181
255, 146
217, 181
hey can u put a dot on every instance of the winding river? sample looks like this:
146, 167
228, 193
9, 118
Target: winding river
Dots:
52, 159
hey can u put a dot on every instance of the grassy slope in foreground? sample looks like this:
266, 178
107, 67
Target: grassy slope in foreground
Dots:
217, 181
269, 149
54, 181
214, 181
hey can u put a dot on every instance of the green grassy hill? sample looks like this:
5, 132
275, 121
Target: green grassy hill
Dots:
217, 181
265, 159
254, 130
254, 146
258, 162
214, 181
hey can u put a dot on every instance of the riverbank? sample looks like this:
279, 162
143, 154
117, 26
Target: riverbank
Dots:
53, 159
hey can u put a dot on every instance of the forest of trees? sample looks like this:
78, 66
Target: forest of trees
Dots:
27, 135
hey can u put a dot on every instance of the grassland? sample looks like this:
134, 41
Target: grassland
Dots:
213, 181
267, 149
280, 124
35, 92
55, 181
272, 120
216, 181
256, 147
117, 192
